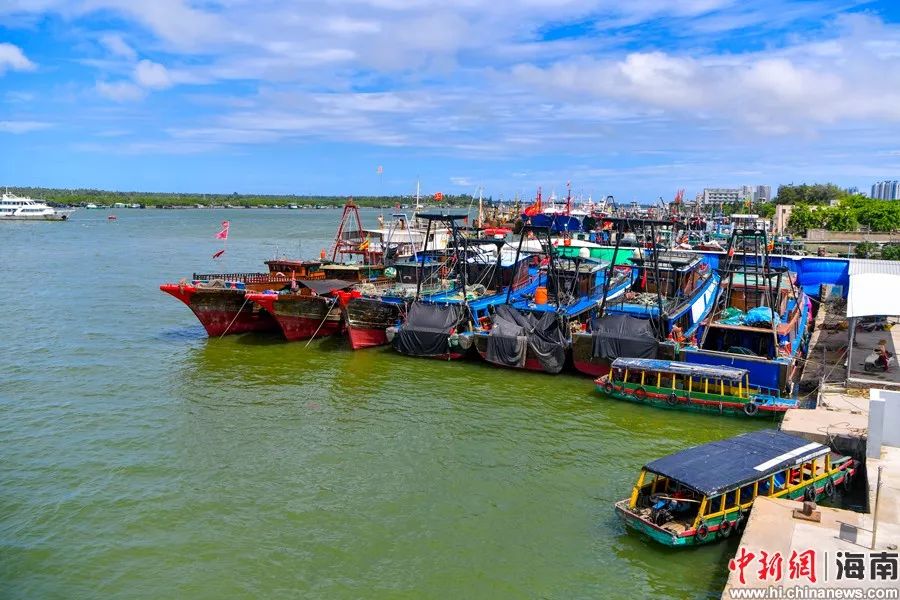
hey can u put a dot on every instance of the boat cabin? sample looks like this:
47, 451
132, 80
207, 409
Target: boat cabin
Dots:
704, 493
675, 384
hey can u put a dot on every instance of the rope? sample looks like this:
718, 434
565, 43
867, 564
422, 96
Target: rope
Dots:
246, 300
327, 312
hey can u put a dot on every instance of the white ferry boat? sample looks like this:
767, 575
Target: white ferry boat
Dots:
15, 208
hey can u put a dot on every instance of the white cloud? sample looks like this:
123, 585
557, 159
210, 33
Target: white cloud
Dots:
12, 58
117, 46
853, 77
152, 75
22, 126
120, 91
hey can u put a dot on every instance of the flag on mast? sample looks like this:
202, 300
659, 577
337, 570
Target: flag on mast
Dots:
222, 235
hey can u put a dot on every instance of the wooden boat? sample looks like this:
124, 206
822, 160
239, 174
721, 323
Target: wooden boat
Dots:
219, 300
430, 329
672, 293
760, 320
535, 333
705, 493
314, 308
702, 388
370, 310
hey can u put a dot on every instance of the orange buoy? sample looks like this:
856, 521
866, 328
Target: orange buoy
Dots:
322, 254
540, 295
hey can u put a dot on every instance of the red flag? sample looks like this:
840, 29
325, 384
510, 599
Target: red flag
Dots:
223, 235
439, 196
218, 254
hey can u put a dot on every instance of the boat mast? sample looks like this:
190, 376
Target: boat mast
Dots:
480, 208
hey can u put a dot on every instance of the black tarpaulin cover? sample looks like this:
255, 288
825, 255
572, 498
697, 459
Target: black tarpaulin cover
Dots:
623, 335
727, 464
426, 329
514, 333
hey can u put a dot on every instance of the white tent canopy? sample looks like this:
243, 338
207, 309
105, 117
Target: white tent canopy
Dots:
874, 288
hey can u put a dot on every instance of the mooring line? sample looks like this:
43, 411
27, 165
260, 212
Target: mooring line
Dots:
246, 300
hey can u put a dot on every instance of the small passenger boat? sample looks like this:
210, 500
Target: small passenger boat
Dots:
704, 493
702, 388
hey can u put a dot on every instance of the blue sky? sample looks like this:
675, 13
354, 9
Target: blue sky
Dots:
635, 99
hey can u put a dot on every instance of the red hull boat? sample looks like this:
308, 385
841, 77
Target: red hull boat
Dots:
222, 311
219, 300
302, 316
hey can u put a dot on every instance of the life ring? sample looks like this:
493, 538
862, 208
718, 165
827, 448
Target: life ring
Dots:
702, 532
608, 387
848, 481
829, 488
724, 528
810, 493
672, 400
703, 268
640, 393
751, 408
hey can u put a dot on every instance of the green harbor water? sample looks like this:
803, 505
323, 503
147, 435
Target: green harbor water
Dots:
139, 459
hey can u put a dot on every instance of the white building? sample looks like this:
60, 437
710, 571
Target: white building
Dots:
738, 194
886, 190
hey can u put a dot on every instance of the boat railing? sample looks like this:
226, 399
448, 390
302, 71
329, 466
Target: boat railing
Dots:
254, 277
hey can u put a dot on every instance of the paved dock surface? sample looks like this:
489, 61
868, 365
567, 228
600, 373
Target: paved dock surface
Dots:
773, 529
840, 420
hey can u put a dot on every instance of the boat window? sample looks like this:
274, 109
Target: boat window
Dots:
714, 505
747, 494
809, 470
731, 500
665, 380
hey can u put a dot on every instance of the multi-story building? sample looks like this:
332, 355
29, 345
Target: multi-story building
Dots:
886, 190
739, 194
763, 193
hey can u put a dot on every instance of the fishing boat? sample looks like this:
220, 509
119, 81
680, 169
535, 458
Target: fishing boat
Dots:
701, 388
760, 317
219, 300
672, 293
431, 329
311, 309
705, 493
16, 208
535, 332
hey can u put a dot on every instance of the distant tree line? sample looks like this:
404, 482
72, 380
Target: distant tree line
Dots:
81, 197
813, 210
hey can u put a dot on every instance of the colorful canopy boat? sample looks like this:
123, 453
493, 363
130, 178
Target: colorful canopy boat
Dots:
672, 293
219, 300
702, 388
535, 332
704, 493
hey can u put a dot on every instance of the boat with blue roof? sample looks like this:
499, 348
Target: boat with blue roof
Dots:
699, 388
705, 493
